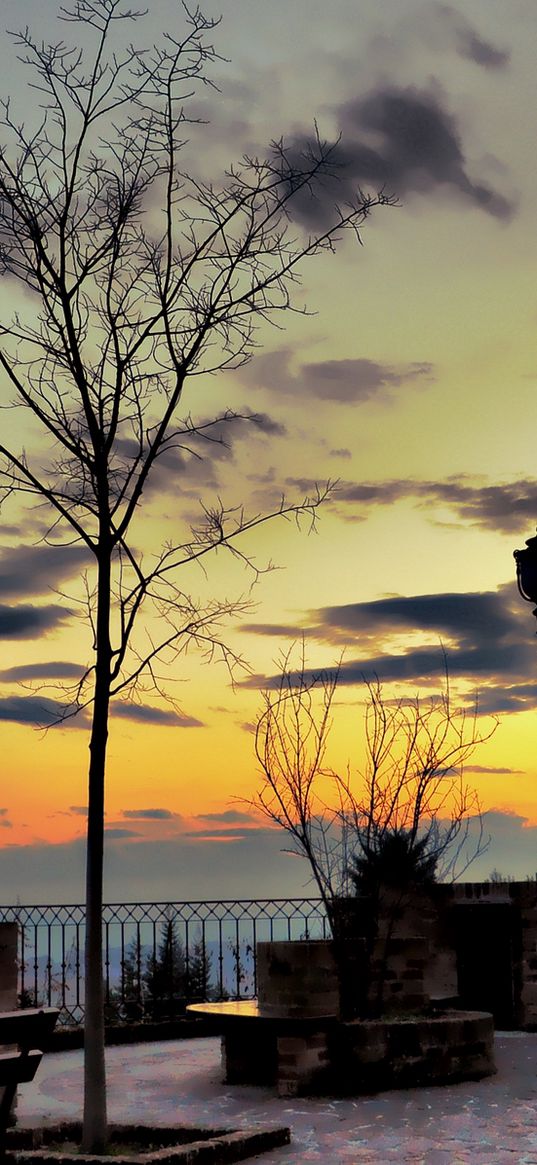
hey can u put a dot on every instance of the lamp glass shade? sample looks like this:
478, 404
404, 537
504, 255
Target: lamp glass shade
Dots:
526, 564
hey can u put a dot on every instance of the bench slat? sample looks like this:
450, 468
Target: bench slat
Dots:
18, 1067
28, 1027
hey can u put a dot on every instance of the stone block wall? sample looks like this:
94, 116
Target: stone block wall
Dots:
399, 959
297, 979
522, 899
303, 1063
300, 979
432, 919
398, 970
364, 1056
370, 1055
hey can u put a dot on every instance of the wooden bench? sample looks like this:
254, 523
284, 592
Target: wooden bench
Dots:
30, 1029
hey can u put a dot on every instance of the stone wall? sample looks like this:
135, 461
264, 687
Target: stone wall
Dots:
300, 979
297, 979
388, 971
507, 916
520, 901
364, 1056
9, 932
8, 966
303, 1065
370, 1055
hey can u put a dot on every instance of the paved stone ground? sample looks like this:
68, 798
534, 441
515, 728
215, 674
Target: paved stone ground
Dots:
492, 1122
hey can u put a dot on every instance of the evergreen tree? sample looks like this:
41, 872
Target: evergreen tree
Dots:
198, 979
393, 857
132, 981
165, 973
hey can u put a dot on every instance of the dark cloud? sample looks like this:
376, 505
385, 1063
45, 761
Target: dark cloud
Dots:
184, 467
255, 866
370, 493
496, 698
137, 870
266, 424
34, 570
193, 458
340, 381
149, 814
116, 833
29, 622
351, 380
189, 463
352, 500
40, 711
231, 816
418, 147
145, 714
482, 52
420, 666
499, 507
506, 508
224, 835
483, 616
218, 438
493, 770
56, 669
79, 810
343, 453
282, 630
486, 638
405, 141
467, 41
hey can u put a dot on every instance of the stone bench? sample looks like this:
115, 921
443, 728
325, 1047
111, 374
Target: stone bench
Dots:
288, 1052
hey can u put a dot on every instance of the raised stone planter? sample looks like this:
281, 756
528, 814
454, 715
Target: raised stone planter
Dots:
371, 1055
298, 981
294, 1038
143, 1145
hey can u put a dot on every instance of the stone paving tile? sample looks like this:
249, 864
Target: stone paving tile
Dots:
491, 1122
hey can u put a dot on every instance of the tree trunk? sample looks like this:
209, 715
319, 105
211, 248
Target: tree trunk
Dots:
95, 1123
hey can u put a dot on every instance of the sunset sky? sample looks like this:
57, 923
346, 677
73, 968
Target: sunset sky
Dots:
412, 382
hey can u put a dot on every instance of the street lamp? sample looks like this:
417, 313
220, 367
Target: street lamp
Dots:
526, 571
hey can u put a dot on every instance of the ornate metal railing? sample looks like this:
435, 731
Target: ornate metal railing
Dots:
156, 954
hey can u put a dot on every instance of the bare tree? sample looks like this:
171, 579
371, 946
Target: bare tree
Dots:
136, 277
415, 788
407, 819
291, 739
